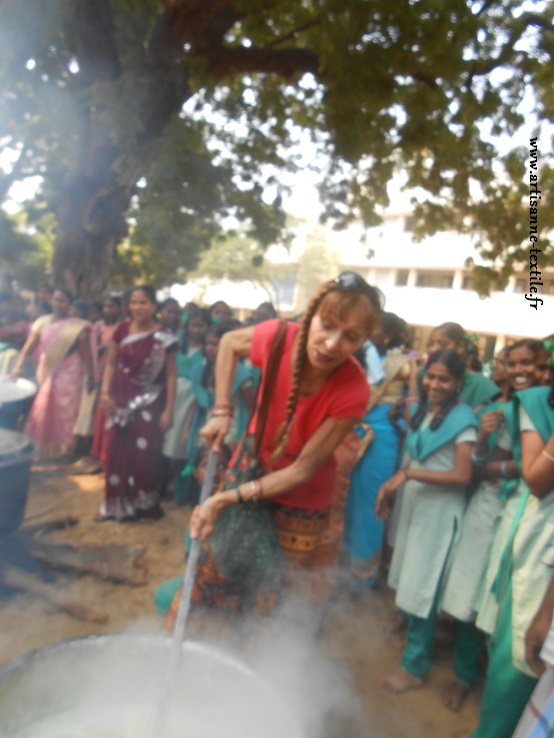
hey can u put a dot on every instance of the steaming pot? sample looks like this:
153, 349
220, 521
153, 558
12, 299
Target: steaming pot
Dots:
110, 686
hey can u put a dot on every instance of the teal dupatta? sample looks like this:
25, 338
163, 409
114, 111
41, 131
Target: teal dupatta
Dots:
423, 442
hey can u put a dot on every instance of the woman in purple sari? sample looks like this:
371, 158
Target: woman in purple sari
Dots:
138, 390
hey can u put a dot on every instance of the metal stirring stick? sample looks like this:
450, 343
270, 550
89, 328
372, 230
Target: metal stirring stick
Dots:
184, 607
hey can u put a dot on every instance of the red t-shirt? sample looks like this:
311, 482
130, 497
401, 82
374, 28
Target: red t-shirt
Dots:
344, 395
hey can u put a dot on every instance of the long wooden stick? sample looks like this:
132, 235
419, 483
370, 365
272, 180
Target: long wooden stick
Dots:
22, 580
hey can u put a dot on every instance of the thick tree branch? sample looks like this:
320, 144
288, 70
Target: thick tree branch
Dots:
287, 63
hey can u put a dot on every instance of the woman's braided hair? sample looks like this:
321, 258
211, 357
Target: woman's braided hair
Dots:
301, 358
456, 366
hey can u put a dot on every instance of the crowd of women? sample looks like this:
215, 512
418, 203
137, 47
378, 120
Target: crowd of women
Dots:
440, 481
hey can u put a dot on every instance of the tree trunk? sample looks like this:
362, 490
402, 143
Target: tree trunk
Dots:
90, 224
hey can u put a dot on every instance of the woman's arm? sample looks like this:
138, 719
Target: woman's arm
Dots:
29, 346
490, 423
538, 630
166, 418
459, 475
318, 448
538, 462
108, 404
83, 347
232, 346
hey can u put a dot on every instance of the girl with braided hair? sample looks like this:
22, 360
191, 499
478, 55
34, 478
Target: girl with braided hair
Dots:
524, 577
439, 442
320, 393
477, 390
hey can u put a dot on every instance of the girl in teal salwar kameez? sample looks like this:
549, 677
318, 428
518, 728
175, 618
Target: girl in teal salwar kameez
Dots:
442, 432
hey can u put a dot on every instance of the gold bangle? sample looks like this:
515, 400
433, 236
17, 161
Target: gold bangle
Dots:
548, 456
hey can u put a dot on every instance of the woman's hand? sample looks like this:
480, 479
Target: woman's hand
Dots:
166, 420
386, 493
535, 638
491, 421
204, 518
215, 430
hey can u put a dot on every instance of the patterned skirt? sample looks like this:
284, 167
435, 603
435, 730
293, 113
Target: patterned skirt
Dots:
306, 559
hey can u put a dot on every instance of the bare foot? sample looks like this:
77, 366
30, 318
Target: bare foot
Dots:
454, 694
402, 681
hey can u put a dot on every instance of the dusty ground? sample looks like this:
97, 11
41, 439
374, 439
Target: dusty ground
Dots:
355, 633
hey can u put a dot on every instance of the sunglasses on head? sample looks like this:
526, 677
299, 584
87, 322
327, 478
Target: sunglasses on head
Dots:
352, 282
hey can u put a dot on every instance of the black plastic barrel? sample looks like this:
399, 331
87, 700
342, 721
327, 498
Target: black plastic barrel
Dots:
16, 455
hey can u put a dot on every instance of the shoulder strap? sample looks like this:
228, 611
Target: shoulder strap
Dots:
270, 379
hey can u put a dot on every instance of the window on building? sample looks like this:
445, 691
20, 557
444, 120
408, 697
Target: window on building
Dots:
382, 277
442, 280
402, 277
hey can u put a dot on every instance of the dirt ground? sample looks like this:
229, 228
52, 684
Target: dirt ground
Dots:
355, 633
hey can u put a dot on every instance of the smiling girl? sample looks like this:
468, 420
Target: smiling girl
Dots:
440, 438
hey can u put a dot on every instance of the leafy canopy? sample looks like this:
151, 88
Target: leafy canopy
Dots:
177, 114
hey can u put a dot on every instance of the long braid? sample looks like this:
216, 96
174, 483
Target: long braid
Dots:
281, 437
445, 408
421, 409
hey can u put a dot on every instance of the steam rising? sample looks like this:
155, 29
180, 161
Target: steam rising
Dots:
109, 687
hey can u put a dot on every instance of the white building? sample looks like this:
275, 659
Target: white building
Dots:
426, 283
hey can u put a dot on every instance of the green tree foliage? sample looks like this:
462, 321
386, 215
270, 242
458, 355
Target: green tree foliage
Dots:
179, 113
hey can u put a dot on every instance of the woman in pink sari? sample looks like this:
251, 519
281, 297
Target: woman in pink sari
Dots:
62, 346
138, 390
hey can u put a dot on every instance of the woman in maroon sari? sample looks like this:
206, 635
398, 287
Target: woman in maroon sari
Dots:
138, 390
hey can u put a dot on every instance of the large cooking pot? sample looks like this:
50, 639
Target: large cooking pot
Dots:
16, 455
109, 686
15, 400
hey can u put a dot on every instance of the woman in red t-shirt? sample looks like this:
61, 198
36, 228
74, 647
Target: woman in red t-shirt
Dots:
320, 393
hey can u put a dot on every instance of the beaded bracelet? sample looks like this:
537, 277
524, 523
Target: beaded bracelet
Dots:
222, 406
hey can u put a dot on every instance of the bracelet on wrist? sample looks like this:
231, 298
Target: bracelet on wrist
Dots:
240, 498
548, 456
222, 406
504, 471
255, 488
221, 414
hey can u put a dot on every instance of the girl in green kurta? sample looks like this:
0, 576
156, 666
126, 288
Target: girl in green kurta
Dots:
496, 482
442, 432
526, 569
188, 356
